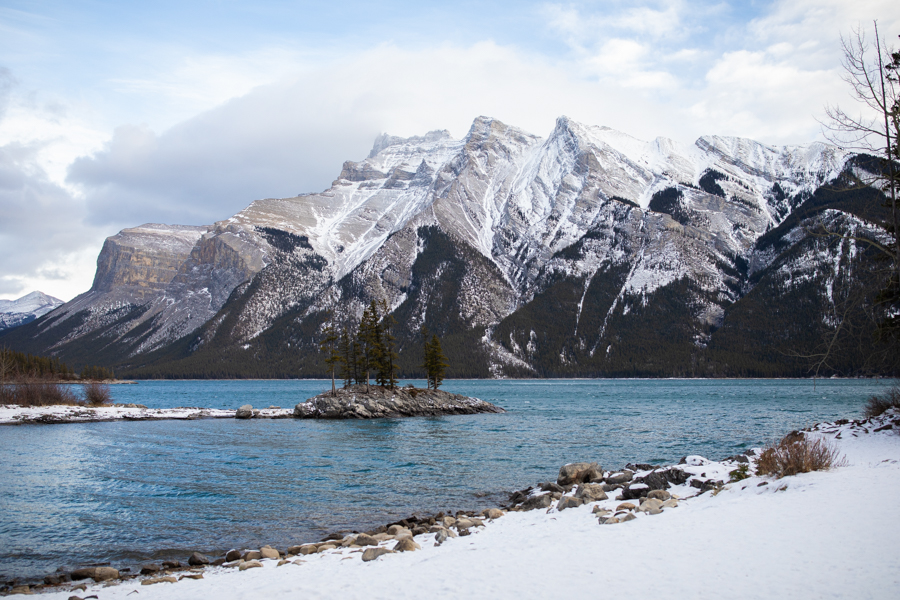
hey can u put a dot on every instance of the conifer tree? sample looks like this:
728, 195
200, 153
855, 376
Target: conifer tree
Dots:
328, 346
438, 362
388, 352
348, 364
370, 341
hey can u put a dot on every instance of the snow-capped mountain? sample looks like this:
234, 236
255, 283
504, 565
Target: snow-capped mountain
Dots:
587, 252
26, 309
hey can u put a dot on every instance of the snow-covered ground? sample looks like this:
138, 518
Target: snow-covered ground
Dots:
817, 535
14, 415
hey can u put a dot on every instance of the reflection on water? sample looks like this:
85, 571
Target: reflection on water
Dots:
130, 491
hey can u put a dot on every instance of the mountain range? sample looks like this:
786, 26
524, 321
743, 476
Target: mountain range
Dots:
26, 309
584, 253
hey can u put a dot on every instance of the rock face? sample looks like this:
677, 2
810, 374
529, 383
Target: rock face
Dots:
355, 403
586, 252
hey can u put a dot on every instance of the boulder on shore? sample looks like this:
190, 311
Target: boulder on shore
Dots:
579, 473
355, 403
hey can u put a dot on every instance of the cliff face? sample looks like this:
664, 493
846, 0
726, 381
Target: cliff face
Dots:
139, 263
587, 252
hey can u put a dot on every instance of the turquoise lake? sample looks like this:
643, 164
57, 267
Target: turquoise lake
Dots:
128, 492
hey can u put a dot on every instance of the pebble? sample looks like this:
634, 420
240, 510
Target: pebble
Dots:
249, 564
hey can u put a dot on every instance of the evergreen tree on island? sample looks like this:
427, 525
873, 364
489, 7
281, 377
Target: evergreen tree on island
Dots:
435, 362
329, 347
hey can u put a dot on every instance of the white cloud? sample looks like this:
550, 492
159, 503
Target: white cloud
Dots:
192, 137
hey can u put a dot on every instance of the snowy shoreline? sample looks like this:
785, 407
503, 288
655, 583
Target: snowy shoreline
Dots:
59, 414
807, 536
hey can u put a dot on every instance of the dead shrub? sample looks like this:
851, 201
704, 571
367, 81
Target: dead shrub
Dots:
37, 392
96, 394
879, 404
798, 454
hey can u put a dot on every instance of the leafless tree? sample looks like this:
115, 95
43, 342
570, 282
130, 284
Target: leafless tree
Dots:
871, 69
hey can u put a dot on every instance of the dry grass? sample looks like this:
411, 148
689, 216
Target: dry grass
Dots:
38, 393
878, 404
96, 394
796, 453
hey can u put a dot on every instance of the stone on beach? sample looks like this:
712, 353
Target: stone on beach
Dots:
155, 580
95, 573
492, 513
406, 545
569, 502
252, 555
626, 506
591, 492
661, 495
232, 555
197, 560
244, 412
249, 564
269, 552
373, 553
619, 477
365, 539
579, 473
537, 502
150, 569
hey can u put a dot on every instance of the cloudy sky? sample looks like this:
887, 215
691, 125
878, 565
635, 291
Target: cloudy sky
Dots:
114, 114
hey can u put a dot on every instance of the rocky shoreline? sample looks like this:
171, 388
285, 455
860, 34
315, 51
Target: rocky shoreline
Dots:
350, 403
358, 402
617, 496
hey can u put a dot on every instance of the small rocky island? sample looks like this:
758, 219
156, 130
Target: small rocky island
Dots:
355, 402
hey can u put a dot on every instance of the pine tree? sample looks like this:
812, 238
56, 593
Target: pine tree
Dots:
370, 341
348, 359
438, 363
389, 354
329, 347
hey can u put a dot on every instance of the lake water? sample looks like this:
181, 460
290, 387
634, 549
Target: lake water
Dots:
127, 492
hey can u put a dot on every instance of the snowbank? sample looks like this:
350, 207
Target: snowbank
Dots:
823, 534
18, 415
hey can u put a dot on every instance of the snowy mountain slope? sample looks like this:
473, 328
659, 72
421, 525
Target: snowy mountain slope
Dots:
14, 313
614, 228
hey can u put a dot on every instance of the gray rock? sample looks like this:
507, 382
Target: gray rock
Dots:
167, 579
661, 495
635, 491
197, 560
492, 513
365, 539
244, 412
373, 553
628, 517
569, 502
232, 555
591, 492
441, 536
149, 569
95, 573
406, 545
578, 473
626, 506
269, 552
252, 555
534, 502
620, 477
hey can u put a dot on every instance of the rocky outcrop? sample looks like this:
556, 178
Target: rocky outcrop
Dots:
355, 403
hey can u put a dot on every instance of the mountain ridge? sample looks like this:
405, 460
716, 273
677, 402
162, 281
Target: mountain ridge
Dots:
595, 226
